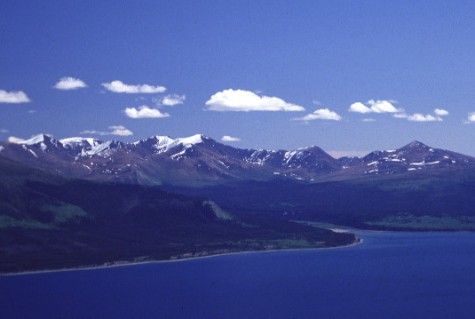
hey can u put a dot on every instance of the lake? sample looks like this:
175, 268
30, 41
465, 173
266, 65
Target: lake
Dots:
389, 275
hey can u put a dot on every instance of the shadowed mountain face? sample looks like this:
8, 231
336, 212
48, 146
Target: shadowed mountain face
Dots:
421, 200
199, 161
48, 222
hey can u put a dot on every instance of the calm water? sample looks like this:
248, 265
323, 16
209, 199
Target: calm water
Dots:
390, 275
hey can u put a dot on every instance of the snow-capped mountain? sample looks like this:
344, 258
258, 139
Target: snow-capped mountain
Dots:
412, 158
152, 161
199, 160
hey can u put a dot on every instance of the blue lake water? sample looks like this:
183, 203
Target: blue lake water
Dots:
390, 275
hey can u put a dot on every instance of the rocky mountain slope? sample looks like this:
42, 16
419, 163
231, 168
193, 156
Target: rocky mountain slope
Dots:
201, 161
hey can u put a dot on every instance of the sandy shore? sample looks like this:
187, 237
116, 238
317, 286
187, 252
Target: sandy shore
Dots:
124, 263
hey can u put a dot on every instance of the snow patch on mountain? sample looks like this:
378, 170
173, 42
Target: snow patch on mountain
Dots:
394, 159
423, 163
163, 144
36, 139
41, 140
289, 155
79, 141
31, 151
195, 139
33, 140
260, 157
99, 149
178, 155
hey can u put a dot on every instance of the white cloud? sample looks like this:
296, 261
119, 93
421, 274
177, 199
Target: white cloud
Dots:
246, 101
359, 107
320, 114
382, 106
69, 83
368, 120
93, 132
144, 112
4, 131
117, 130
171, 100
227, 138
372, 106
471, 117
121, 87
418, 117
13, 97
120, 130
387, 106
441, 112
402, 115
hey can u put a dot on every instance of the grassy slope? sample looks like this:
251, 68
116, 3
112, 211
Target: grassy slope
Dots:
48, 222
445, 197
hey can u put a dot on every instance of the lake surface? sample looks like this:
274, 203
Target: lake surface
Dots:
390, 275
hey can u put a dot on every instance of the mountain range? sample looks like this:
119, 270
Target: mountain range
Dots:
199, 161
83, 201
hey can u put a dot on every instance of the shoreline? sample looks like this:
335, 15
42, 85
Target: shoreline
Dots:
124, 263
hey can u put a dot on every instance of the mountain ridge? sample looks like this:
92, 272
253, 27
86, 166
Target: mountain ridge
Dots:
202, 161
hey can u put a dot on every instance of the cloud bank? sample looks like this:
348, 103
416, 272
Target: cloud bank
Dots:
247, 101
13, 97
320, 114
120, 130
117, 130
172, 100
419, 117
144, 112
120, 87
227, 138
372, 106
387, 106
441, 112
69, 83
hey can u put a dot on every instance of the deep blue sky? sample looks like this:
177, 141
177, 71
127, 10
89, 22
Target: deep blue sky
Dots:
418, 53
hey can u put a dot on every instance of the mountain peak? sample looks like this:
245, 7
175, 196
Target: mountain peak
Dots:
416, 144
40, 138
167, 140
162, 144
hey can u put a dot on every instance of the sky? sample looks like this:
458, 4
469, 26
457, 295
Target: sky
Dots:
348, 76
